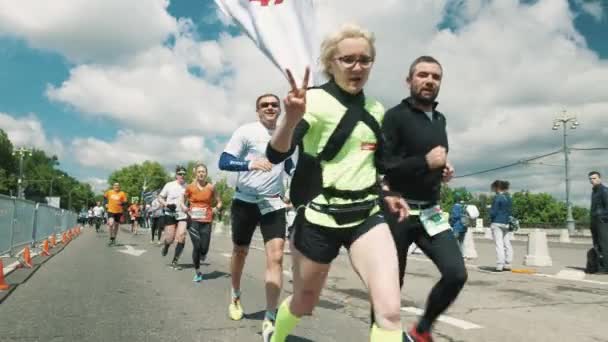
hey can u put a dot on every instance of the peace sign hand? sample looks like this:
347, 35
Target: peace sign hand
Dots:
295, 102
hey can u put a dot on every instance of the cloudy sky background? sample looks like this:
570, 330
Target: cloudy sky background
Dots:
107, 83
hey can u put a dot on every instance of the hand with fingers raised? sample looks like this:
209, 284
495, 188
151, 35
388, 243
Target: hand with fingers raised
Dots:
295, 102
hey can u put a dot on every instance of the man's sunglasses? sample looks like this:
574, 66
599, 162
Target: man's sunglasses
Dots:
271, 104
181, 173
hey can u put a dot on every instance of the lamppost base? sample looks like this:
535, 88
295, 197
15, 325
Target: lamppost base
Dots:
571, 227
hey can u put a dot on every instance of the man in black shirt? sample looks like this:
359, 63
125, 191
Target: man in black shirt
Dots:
599, 219
416, 165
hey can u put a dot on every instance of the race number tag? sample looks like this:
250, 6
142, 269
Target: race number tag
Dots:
198, 213
268, 205
434, 220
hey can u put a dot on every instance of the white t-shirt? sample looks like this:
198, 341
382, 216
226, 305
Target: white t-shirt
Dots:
98, 211
249, 142
173, 193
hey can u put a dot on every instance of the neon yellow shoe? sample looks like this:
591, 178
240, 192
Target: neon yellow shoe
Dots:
235, 310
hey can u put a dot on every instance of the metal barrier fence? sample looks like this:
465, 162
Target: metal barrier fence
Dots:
25, 222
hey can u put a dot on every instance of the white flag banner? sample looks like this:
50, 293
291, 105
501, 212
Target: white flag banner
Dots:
284, 30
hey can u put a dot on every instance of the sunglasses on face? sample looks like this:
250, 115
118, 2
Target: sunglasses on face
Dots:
271, 104
181, 173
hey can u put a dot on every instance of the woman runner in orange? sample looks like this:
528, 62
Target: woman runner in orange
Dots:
200, 194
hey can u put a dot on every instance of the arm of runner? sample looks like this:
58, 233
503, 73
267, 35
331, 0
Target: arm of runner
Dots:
162, 196
229, 162
295, 107
218, 199
275, 156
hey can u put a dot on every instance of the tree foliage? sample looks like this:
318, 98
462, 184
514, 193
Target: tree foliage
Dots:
41, 178
133, 177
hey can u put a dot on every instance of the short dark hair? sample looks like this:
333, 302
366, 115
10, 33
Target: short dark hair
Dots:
422, 59
257, 101
504, 185
594, 173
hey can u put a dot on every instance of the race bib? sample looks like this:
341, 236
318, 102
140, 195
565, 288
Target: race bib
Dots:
268, 205
198, 213
434, 220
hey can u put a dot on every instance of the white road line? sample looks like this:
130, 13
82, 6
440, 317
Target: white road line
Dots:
562, 275
563, 278
445, 319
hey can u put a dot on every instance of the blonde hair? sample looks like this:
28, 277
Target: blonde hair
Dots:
331, 41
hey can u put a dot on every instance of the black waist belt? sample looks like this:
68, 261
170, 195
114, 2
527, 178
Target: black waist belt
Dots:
332, 192
346, 213
421, 205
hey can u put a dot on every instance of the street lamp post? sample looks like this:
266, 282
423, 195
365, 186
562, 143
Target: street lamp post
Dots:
22, 152
563, 121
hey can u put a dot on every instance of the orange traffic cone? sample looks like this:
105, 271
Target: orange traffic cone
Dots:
45, 248
52, 240
3, 285
64, 238
26, 258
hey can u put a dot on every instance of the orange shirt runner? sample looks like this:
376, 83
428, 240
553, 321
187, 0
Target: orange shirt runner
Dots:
115, 201
134, 210
200, 202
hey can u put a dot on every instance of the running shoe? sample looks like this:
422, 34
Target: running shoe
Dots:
235, 310
267, 330
198, 277
176, 266
420, 337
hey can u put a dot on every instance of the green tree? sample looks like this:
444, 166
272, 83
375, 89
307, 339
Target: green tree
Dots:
8, 167
226, 193
132, 178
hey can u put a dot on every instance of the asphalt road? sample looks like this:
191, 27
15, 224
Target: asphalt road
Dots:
91, 292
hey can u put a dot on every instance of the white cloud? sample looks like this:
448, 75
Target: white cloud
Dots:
27, 132
131, 147
592, 7
85, 30
99, 185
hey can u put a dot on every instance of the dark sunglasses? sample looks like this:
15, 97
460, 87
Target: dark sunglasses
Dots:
181, 173
271, 104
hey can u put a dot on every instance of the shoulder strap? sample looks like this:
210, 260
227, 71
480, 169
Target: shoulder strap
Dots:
344, 129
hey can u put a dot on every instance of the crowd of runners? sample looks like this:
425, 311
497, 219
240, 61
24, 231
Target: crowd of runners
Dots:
360, 177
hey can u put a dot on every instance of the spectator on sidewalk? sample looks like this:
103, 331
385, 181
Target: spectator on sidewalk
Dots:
599, 220
459, 220
500, 212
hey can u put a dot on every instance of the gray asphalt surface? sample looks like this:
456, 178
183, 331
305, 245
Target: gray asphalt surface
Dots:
91, 292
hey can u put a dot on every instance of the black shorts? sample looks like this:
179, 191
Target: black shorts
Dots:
322, 244
170, 220
117, 216
246, 216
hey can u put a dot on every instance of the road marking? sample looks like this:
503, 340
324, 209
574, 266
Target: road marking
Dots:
562, 275
445, 319
579, 280
571, 274
132, 251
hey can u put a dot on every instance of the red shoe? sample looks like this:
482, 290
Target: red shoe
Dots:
420, 337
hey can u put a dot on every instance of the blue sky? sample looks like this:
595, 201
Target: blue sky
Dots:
29, 65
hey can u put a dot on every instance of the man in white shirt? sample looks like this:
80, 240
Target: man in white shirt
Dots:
257, 201
174, 218
98, 212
